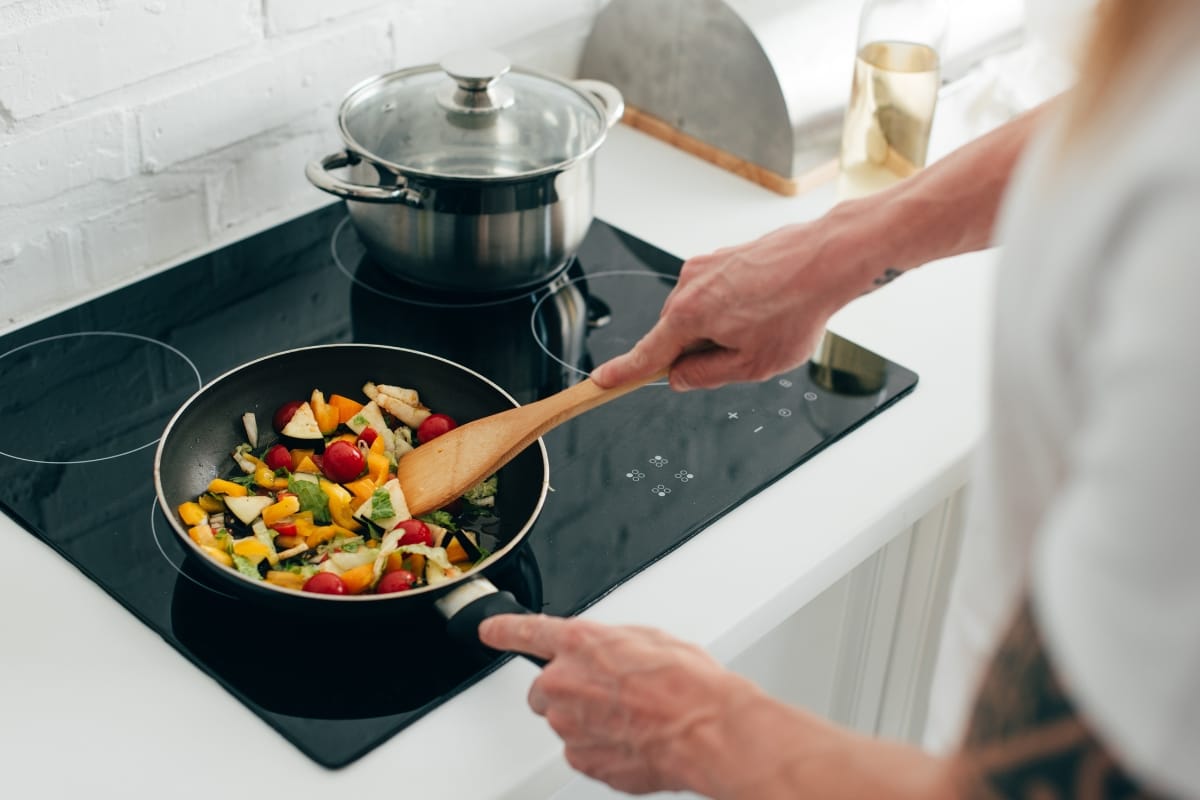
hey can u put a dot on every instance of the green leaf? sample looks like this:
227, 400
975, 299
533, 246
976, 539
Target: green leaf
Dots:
311, 499
381, 505
246, 567
440, 518
484, 489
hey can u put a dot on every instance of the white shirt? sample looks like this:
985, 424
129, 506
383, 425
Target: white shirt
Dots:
1086, 492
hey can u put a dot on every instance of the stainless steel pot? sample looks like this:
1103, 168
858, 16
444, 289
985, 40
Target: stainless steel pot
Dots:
470, 175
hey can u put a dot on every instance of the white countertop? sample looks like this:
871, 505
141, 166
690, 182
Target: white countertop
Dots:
93, 703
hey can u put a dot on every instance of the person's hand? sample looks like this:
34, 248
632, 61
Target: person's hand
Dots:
632, 705
750, 312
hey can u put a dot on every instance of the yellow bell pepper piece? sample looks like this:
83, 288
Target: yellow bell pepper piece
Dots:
278, 510
288, 580
217, 554
220, 486
191, 513
209, 503
265, 477
339, 505
362, 489
319, 534
251, 549
306, 465
378, 465
325, 414
346, 407
359, 579
202, 535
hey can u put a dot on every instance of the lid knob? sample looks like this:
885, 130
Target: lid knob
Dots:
475, 74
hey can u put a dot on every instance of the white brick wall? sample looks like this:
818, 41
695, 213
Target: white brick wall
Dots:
137, 133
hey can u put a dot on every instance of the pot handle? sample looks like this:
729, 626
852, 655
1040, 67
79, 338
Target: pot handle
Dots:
318, 175
608, 95
472, 603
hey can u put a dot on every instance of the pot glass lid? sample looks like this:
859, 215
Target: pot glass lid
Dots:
472, 116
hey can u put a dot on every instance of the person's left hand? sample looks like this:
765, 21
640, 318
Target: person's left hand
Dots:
635, 707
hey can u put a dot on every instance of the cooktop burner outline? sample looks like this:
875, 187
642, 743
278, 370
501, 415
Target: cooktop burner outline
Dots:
80, 334
599, 526
586, 280
155, 509
433, 299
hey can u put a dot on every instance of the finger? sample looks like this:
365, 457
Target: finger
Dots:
657, 349
538, 701
709, 369
535, 634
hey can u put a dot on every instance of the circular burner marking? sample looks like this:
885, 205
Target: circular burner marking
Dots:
611, 327
414, 295
61, 404
158, 543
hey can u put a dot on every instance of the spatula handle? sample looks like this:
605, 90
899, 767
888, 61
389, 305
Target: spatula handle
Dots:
583, 396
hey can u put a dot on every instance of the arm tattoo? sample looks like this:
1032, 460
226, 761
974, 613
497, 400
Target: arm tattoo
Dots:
1025, 738
887, 277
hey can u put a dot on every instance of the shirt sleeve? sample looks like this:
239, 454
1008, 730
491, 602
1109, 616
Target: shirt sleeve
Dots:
1116, 567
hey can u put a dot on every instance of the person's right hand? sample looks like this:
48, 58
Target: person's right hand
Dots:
750, 312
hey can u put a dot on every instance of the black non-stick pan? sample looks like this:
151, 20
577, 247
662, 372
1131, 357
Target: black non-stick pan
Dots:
198, 441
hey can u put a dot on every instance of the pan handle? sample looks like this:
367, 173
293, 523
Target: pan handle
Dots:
472, 603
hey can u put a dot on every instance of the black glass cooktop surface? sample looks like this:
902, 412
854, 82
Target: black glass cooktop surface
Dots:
86, 393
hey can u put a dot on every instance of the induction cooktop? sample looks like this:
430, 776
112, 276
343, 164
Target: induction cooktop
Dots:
86, 393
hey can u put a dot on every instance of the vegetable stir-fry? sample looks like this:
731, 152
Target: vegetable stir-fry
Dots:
320, 509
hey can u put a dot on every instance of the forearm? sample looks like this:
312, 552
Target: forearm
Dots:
947, 209
759, 749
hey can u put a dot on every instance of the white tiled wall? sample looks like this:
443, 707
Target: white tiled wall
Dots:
134, 133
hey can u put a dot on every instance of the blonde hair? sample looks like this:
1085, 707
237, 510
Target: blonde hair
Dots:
1121, 29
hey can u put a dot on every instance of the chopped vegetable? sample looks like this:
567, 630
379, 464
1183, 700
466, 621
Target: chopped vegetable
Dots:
326, 513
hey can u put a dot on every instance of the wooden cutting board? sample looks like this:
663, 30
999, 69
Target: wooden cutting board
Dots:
780, 184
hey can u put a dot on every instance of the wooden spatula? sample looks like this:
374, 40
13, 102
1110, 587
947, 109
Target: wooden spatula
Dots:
439, 471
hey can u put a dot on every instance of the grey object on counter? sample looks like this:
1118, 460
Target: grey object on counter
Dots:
766, 81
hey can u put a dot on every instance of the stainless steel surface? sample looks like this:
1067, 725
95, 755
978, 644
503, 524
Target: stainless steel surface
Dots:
478, 236
422, 121
842, 366
452, 186
475, 75
764, 80
318, 174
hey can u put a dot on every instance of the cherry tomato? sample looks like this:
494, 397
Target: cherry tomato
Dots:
325, 583
286, 528
434, 426
278, 457
368, 435
284, 414
342, 462
415, 532
399, 581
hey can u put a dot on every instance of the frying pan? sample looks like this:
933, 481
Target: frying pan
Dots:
197, 443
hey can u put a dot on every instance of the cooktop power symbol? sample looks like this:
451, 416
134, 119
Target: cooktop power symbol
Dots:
661, 491
659, 462
635, 475
684, 476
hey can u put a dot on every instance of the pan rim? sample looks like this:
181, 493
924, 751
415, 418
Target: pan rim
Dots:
476, 572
